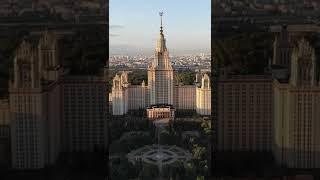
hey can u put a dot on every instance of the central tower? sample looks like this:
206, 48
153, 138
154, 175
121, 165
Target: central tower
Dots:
160, 73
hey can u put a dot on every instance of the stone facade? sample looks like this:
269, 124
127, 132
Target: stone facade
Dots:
50, 110
296, 117
245, 113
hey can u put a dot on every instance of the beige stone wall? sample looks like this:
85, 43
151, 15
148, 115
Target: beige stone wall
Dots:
120, 101
245, 113
137, 97
28, 134
84, 116
185, 97
203, 101
297, 126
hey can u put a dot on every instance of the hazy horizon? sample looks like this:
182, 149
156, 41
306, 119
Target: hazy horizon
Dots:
131, 51
135, 25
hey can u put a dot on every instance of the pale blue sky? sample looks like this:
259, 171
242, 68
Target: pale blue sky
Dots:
136, 23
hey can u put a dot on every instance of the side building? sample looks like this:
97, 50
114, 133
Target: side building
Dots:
84, 113
185, 98
125, 97
203, 96
245, 119
5, 132
52, 111
296, 117
34, 85
119, 96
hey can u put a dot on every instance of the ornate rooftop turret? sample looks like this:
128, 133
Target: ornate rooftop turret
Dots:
304, 66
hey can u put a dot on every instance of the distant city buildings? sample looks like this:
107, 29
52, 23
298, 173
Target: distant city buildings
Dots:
182, 62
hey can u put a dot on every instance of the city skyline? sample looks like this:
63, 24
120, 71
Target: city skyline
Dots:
188, 28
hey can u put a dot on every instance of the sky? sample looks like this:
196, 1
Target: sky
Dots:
135, 25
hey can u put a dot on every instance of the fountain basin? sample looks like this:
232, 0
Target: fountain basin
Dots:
159, 154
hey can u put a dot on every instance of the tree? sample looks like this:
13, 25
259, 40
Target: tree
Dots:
198, 151
137, 76
123, 169
148, 172
185, 77
206, 128
191, 170
244, 53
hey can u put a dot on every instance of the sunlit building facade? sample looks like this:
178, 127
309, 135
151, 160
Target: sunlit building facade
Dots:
161, 88
185, 98
161, 112
203, 96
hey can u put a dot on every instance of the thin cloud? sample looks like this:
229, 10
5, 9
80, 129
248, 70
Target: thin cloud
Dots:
116, 26
113, 35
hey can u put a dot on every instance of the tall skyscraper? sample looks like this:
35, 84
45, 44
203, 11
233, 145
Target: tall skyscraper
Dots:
160, 74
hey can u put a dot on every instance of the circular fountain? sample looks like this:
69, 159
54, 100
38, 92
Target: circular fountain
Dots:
157, 154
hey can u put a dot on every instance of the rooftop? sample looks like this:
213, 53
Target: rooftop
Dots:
160, 106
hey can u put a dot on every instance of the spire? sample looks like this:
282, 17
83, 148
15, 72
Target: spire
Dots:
161, 28
161, 53
161, 42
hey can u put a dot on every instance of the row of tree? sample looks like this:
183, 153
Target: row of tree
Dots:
244, 53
